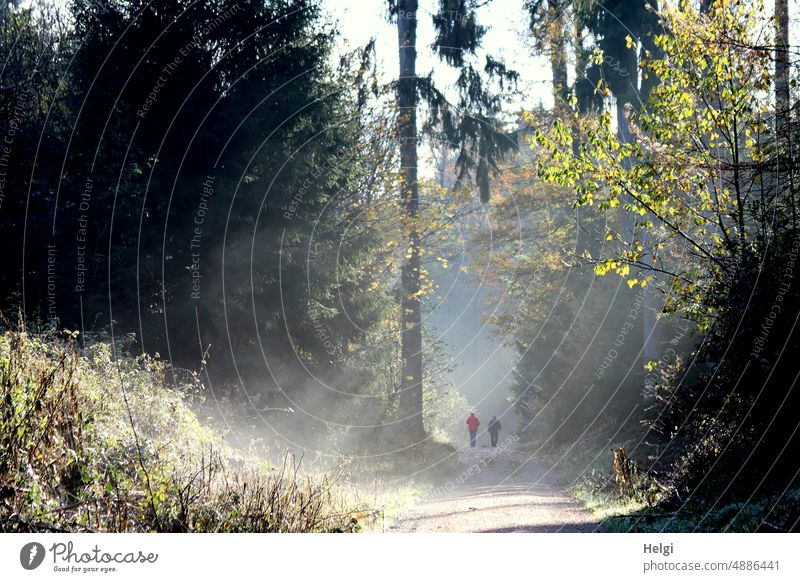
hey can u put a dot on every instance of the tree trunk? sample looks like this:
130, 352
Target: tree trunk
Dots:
588, 240
650, 50
580, 76
650, 307
556, 40
410, 408
783, 102
781, 66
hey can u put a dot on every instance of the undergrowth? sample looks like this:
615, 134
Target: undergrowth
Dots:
94, 442
626, 498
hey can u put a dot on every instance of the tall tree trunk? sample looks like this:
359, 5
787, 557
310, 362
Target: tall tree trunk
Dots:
587, 239
781, 65
411, 319
650, 50
653, 304
557, 49
783, 103
647, 313
581, 62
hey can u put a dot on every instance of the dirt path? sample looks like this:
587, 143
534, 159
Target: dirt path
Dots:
497, 491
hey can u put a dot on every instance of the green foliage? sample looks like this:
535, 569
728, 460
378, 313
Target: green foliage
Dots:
695, 182
578, 336
705, 205
200, 175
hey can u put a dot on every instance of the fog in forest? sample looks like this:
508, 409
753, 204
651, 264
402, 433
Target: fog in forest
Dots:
262, 259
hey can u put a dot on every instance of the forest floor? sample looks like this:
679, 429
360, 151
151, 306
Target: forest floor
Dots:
497, 490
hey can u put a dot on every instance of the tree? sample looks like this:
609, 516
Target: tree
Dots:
698, 181
782, 84
34, 42
410, 303
198, 190
618, 27
782, 103
548, 27
468, 126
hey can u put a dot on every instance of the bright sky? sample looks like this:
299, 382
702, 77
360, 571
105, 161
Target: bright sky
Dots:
360, 20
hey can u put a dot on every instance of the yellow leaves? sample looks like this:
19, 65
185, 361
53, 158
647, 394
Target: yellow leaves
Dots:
641, 282
600, 270
606, 266
628, 42
597, 56
573, 100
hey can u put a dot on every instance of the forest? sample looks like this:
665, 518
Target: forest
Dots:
261, 262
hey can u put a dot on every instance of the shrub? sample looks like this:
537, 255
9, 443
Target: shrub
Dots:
94, 442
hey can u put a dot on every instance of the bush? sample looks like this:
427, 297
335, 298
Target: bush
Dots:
94, 442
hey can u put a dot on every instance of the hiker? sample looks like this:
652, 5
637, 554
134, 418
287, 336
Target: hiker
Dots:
494, 430
472, 424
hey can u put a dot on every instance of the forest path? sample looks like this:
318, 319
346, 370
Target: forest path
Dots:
497, 490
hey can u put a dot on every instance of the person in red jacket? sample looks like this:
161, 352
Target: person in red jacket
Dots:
472, 424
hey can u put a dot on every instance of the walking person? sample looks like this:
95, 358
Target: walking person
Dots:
494, 430
472, 425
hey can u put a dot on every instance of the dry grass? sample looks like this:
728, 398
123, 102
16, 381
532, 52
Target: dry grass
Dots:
89, 442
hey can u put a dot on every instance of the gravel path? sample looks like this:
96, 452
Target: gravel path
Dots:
497, 491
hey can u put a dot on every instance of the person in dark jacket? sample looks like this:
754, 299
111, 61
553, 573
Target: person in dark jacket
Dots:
494, 430
472, 425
